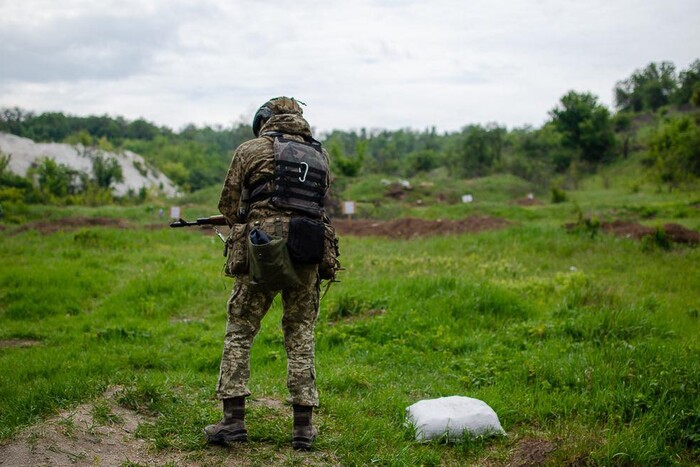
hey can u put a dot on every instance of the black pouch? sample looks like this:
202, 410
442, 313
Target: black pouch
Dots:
305, 241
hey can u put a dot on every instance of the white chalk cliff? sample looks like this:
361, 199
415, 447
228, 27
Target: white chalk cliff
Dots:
137, 173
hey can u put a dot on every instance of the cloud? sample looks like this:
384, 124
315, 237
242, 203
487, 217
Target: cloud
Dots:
81, 42
370, 63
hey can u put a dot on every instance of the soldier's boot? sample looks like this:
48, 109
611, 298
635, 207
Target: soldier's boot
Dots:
232, 428
304, 432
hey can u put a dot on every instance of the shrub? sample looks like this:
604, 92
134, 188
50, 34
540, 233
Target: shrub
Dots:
558, 195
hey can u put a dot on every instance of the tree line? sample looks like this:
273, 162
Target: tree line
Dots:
194, 157
580, 135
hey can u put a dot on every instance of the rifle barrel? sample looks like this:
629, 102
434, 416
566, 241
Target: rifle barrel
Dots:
212, 220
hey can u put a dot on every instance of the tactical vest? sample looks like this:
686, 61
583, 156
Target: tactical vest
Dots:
299, 183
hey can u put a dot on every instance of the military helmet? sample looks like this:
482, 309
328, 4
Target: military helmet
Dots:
275, 106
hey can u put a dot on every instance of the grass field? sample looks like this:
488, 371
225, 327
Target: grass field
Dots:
586, 345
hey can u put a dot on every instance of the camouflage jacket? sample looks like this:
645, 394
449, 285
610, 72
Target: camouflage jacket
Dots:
254, 160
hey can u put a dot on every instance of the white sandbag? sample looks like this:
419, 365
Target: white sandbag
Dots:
452, 416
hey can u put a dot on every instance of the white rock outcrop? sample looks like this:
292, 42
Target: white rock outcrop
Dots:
137, 173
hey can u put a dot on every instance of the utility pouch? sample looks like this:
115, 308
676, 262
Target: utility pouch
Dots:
270, 264
329, 263
306, 240
237, 248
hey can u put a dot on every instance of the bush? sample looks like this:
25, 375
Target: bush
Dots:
674, 152
558, 195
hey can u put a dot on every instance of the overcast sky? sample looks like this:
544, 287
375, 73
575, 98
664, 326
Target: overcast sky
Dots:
366, 63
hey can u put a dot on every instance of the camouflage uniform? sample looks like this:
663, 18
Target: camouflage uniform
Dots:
248, 304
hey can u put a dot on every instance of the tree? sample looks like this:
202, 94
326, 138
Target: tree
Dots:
688, 84
423, 160
348, 166
536, 153
674, 152
477, 148
647, 89
585, 125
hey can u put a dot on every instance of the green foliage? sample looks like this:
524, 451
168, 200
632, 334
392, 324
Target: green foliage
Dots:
689, 85
190, 163
674, 152
647, 89
423, 160
4, 163
558, 195
658, 239
535, 154
82, 137
585, 125
476, 150
656, 86
344, 165
106, 170
585, 224
55, 180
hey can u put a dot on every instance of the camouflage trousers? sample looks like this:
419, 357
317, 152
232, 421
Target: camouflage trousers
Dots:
246, 308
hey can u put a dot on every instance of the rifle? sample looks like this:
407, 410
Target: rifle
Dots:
211, 220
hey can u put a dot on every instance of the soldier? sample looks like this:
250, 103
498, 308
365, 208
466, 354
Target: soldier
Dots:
275, 181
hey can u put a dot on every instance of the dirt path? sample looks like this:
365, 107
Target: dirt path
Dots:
72, 223
411, 227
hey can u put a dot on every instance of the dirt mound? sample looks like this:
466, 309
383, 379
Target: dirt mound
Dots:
412, 227
674, 232
78, 437
680, 234
72, 223
527, 202
627, 229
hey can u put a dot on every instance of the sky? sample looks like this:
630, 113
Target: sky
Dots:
374, 64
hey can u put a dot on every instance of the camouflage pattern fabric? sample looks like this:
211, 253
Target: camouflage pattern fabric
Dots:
249, 303
246, 308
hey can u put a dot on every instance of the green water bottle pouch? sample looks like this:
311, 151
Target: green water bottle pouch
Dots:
270, 264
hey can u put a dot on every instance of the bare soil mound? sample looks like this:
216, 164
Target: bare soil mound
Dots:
674, 232
77, 437
411, 227
680, 234
72, 223
527, 202
627, 229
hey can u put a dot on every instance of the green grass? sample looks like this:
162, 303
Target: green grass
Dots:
589, 343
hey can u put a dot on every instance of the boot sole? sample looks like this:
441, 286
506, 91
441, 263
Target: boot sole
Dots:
302, 444
237, 437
